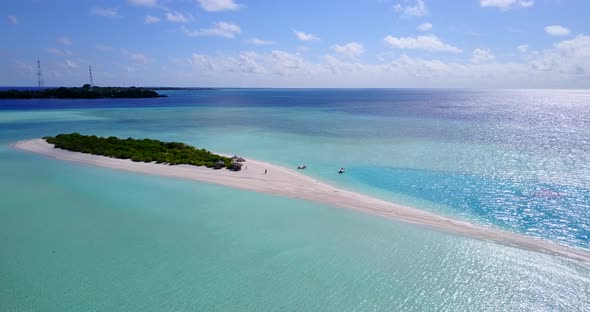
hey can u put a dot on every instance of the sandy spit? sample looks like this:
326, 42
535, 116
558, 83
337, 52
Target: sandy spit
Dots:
286, 182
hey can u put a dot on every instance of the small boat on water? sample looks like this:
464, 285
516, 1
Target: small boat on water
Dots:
301, 166
342, 170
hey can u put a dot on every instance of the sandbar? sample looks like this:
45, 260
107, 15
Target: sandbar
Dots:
290, 183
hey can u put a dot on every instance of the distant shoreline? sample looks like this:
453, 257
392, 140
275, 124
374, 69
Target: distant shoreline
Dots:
85, 92
286, 182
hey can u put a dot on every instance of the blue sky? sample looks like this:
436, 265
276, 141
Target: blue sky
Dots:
245, 43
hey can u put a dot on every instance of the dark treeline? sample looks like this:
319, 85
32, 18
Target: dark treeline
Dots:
146, 150
85, 92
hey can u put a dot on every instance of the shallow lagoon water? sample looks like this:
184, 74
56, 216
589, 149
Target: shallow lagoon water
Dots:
77, 238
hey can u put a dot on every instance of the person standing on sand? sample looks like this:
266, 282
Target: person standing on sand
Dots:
265, 171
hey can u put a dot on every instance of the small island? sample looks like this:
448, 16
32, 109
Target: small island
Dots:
145, 150
85, 92
262, 177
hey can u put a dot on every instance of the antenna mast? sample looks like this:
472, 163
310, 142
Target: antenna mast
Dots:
91, 80
39, 76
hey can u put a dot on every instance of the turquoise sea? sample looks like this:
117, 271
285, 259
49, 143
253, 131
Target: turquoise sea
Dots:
81, 238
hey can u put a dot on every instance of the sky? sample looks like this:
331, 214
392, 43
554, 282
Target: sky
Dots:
304, 43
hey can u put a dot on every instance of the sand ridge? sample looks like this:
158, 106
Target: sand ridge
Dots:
286, 182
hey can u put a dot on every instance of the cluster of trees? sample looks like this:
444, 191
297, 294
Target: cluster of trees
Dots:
86, 92
146, 150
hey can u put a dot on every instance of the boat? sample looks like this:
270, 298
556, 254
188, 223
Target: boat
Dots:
301, 166
342, 170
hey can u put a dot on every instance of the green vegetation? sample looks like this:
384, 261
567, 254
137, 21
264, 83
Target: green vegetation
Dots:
146, 150
86, 92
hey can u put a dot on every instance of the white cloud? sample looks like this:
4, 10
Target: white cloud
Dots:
337, 66
151, 19
106, 12
248, 64
557, 30
59, 52
305, 36
480, 56
218, 5
506, 4
55, 51
64, 40
428, 43
351, 49
417, 8
523, 48
137, 58
146, 3
566, 64
569, 57
284, 63
71, 64
12, 19
258, 41
273, 64
176, 17
244, 63
222, 29
201, 60
424, 27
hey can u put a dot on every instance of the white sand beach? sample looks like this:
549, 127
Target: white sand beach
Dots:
286, 182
